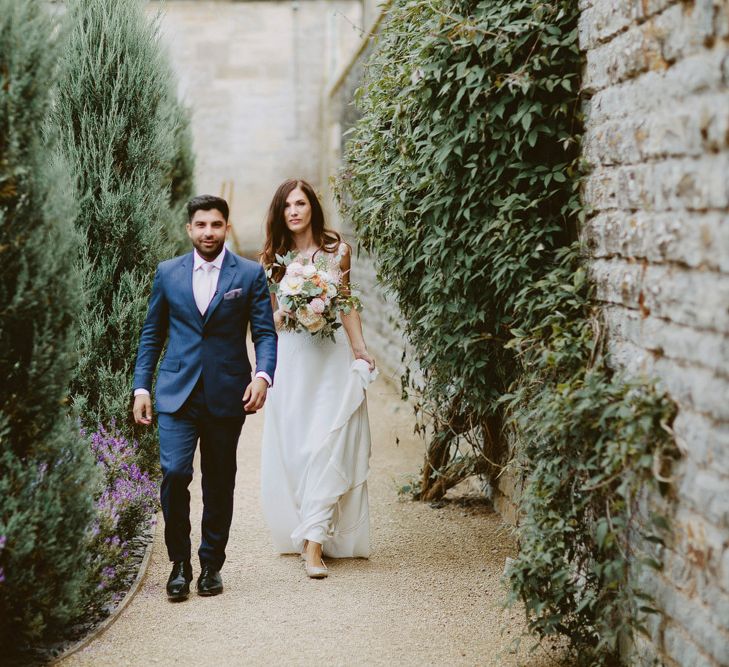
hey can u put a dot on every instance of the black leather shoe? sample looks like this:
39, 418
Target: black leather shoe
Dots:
178, 585
209, 582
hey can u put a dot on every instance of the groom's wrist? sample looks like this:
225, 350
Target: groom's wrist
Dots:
141, 392
266, 377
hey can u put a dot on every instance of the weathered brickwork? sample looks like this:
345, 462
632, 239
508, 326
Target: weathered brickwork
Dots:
656, 85
381, 319
657, 148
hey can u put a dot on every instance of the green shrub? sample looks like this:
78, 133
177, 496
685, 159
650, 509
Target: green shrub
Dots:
46, 471
182, 173
127, 144
591, 443
460, 179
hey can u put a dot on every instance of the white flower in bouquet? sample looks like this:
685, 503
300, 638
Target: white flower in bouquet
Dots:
309, 271
310, 319
295, 269
291, 285
332, 290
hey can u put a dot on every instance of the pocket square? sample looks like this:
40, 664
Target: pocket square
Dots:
234, 294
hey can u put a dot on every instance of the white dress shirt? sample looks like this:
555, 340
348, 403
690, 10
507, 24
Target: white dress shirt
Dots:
205, 277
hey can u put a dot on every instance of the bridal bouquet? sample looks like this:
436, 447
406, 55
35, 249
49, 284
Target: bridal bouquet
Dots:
310, 296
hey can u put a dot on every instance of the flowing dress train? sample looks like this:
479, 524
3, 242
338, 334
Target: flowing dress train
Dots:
316, 447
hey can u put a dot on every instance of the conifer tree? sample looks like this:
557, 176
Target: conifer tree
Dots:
119, 128
182, 169
46, 470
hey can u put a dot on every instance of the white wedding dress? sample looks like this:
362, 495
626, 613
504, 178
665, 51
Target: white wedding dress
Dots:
316, 447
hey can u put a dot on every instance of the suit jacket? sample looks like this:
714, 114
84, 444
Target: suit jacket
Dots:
212, 345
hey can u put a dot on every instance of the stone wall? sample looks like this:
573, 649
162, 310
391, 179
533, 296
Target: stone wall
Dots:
254, 74
657, 146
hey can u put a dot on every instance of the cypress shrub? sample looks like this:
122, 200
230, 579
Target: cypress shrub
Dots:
181, 176
120, 129
46, 469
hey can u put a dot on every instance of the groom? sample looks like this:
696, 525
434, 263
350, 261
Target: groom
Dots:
201, 305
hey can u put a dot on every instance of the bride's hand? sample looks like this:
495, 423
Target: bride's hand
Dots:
365, 356
278, 318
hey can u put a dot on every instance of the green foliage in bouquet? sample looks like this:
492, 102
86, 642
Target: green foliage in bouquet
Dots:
46, 470
462, 179
128, 142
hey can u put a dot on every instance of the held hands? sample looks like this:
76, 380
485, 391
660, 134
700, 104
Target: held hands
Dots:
255, 395
142, 409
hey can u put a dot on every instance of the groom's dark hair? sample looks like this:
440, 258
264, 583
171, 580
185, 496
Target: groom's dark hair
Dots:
207, 203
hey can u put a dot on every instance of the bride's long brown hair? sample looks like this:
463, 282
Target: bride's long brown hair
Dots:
279, 240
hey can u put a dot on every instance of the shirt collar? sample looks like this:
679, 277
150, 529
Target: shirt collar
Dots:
199, 261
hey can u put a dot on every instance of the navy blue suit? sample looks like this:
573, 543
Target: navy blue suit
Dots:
200, 387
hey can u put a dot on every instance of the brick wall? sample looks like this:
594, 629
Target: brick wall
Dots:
656, 84
657, 146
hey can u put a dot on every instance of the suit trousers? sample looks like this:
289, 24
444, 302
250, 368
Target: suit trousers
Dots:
179, 433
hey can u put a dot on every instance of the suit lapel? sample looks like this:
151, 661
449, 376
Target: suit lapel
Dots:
185, 278
227, 275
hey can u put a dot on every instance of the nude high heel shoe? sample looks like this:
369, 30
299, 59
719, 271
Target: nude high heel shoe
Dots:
314, 572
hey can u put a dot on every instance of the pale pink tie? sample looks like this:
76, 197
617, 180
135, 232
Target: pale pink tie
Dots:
206, 288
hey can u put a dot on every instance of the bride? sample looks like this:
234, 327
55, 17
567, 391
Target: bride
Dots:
316, 437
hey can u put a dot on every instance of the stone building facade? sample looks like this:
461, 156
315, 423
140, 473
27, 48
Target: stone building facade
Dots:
253, 74
270, 84
657, 147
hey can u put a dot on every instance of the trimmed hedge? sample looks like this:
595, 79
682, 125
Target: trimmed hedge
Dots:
47, 475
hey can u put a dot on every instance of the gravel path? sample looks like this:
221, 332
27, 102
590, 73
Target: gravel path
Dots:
429, 594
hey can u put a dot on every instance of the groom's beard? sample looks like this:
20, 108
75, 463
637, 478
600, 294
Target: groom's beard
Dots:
208, 252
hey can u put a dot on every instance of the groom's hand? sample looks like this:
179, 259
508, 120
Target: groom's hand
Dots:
255, 395
142, 409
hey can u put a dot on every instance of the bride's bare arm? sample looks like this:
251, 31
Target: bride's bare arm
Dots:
352, 322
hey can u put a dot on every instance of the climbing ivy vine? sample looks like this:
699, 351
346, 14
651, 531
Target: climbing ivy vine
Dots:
462, 179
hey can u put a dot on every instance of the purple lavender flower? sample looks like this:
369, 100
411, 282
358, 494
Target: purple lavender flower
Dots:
124, 503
